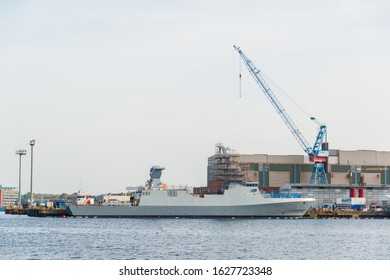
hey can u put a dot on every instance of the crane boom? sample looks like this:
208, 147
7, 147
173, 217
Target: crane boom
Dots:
315, 153
275, 102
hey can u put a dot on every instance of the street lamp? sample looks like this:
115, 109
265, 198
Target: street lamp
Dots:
32, 143
20, 153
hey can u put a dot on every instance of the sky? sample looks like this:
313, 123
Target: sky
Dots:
110, 88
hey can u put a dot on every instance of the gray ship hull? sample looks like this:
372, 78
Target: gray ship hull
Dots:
284, 209
238, 200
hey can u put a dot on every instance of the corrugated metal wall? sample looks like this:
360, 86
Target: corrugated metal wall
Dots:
372, 178
278, 178
339, 178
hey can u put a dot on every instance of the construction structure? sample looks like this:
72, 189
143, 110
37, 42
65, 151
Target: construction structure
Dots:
318, 153
223, 166
327, 175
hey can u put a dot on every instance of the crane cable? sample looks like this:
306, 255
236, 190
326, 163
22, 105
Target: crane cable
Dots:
240, 76
279, 89
290, 98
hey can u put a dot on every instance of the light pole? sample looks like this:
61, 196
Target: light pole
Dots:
20, 153
32, 143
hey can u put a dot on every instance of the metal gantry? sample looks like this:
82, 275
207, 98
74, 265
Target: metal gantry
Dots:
318, 153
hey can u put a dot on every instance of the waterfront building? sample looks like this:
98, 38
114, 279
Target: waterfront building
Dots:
8, 196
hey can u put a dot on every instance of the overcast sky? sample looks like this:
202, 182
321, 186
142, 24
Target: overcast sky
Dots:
110, 88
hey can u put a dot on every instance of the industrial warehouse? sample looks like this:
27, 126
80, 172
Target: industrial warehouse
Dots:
351, 174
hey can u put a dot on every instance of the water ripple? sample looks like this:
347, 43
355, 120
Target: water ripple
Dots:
118, 239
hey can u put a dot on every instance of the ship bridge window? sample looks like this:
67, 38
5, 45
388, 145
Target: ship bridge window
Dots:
172, 193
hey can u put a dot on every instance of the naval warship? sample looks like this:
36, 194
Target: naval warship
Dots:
156, 200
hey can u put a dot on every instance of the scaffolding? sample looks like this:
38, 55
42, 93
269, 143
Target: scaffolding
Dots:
224, 166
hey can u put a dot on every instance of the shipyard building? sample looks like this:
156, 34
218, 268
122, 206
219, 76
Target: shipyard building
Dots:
350, 174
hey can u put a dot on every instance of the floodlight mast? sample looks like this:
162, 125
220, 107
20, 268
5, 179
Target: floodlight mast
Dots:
20, 153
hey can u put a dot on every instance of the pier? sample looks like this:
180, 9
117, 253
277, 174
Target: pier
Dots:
346, 214
37, 212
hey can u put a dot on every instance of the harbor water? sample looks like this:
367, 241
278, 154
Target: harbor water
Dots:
27, 238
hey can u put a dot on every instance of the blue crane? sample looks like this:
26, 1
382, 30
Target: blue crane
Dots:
318, 153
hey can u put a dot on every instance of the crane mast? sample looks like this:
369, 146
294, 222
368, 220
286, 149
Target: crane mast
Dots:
318, 154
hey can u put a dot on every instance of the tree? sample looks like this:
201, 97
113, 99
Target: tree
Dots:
64, 196
27, 195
